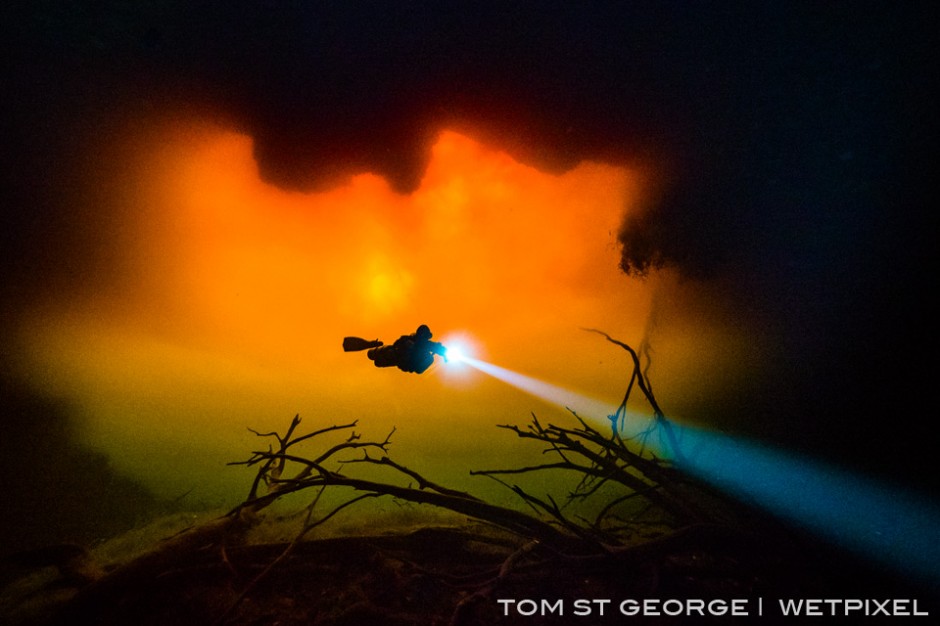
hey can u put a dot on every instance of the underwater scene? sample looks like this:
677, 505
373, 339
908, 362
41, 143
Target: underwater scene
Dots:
391, 314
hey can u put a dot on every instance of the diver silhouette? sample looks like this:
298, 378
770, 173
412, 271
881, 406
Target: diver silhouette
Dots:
409, 353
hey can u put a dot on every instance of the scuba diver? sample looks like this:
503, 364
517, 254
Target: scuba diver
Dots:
410, 353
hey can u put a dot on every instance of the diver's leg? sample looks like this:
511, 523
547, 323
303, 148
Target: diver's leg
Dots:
382, 357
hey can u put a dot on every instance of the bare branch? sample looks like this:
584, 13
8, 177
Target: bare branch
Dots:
637, 373
423, 483
322, 431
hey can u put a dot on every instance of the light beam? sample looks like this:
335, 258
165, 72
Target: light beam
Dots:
579, 403
882, 522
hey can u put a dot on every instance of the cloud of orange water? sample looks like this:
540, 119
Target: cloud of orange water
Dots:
234, 296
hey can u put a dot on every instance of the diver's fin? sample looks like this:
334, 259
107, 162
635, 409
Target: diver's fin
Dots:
355, 344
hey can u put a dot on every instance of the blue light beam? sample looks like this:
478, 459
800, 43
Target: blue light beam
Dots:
894, 527
884, 522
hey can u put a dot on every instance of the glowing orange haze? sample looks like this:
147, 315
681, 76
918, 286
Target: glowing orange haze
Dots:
233, 297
